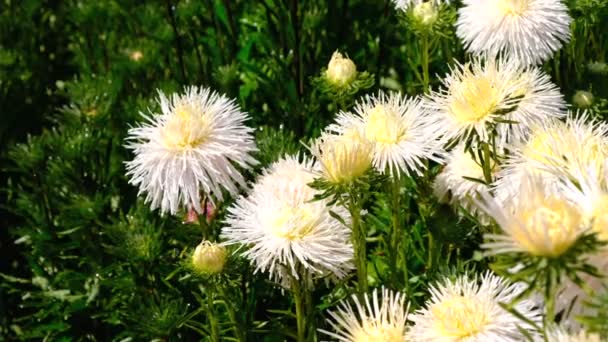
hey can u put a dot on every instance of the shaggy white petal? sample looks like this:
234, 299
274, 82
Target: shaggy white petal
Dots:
283, 229
379, 319
480, 95
468, 310
555, 150
451, 186
190, 149
401, 132
528, 30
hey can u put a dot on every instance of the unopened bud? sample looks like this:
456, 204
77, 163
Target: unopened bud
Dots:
136, 55
425, 13
341, 70
209, 258
583, 99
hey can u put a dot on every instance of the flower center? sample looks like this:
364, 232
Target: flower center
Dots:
186, 129
513, 7
373, 331
460, 317
383, 126
474, 99
293, 223
550, 229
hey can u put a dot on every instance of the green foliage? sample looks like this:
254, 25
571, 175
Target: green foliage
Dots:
84, 259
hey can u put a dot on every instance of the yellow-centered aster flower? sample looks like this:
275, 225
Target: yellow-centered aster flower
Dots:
399, 130
534, 222
285, 229
381, 318
556, 150
190, 149
494, 94
468, 310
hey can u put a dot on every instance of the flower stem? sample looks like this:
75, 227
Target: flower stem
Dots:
487, 163
215, 332
297, 290
359, 243
425, 61
395, 231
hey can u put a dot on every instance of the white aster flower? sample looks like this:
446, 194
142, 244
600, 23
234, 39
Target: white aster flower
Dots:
528, 30
477, 95
452, 185
468, 310
284, 230
399, 129
534, 222
555, 150
379, 319
193, 146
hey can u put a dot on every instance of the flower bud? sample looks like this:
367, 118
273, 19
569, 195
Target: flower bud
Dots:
209, 258
343, 158
583, 99
425, 13
340, 70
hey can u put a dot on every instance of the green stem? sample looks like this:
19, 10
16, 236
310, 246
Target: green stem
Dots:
395, 231
359, 243
487, 163
425, 61
215, 331
296, 288
238, 331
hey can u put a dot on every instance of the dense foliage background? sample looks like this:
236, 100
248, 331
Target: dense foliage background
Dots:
82, 257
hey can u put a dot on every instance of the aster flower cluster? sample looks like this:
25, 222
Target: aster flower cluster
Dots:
495, 140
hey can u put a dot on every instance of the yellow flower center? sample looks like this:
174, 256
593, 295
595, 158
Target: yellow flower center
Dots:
513, 7
384, 126
373, 331
600, 218
460, 317
293, 223
186, 129
474, 98
549, 229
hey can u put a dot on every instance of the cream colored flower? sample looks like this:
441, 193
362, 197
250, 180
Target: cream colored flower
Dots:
560, 334
340, 70
379, 318
192, 148
534, 222
343, 158
468, 310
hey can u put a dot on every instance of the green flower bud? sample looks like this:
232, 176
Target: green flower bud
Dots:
583, 99
209, 258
